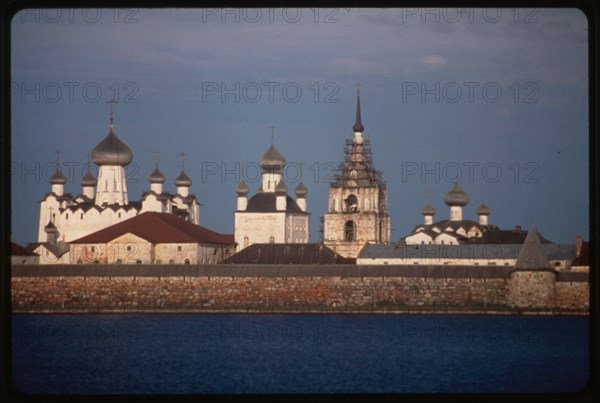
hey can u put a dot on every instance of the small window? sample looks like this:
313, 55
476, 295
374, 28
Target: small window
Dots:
178, 248
187, 261
349, 231
81, 216
171, 261
129, 248
119, 215
67, 216
272, 239
138, 261
93, 249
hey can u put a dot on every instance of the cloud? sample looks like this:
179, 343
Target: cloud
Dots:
433, 60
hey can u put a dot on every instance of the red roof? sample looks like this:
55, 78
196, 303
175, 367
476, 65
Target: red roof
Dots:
158, 228
18, 250
584, 255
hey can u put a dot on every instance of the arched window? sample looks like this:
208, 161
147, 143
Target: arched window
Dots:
349, 231
272, 239
351, 203
246, 241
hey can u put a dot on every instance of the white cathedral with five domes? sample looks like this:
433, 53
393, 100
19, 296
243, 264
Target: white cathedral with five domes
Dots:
104, 201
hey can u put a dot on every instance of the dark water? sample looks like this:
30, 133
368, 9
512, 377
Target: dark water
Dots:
188, 353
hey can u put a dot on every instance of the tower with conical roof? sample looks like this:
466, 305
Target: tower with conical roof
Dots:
357, 212
112, 156
532, 281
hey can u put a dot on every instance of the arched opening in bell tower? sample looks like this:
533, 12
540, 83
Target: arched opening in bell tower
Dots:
350, 231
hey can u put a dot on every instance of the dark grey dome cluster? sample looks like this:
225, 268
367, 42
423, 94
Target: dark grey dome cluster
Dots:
112, 151
456, 197
272, 160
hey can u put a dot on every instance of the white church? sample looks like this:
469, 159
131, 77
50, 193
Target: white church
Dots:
104, 200
271, 215
454, 230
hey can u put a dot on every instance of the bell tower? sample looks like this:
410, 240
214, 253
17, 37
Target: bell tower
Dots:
357, 212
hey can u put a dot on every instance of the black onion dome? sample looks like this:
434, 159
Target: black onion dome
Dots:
456, 197
428, 210
88, 179
58, 178
112, 151
272, 159
242, 189
301, 190
183, 180
483, 210
50, 227
281, 188
156, 176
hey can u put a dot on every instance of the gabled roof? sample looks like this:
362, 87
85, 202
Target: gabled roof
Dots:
18, 250
57, 249
411, 252
584, 256
291, 253
505, 236
158, 228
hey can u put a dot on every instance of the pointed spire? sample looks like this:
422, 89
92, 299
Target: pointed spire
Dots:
531, 255
358, 127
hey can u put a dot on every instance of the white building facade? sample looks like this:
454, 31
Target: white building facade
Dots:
104, 201
271, 215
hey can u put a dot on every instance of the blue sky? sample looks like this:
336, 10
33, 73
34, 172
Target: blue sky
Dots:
498, 96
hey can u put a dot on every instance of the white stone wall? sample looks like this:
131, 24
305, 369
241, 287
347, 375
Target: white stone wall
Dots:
259, 228
151, 203
112, 186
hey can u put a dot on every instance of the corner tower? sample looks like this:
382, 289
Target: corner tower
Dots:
357, 212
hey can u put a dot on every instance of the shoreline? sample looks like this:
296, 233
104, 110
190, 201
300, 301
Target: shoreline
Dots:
450, 311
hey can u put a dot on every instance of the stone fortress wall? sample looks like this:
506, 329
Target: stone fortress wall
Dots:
90, 288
